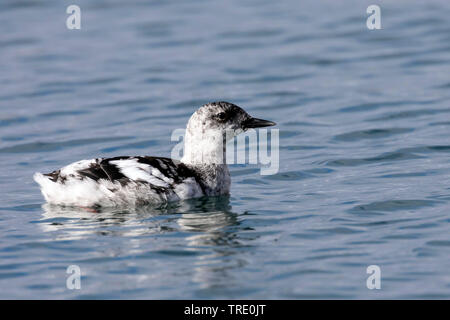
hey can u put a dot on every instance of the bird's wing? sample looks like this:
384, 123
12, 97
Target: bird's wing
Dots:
120, 180
156, 171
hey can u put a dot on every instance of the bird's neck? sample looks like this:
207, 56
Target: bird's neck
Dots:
204, 149
206, 155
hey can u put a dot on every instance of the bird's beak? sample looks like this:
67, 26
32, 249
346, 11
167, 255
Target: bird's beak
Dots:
257, 123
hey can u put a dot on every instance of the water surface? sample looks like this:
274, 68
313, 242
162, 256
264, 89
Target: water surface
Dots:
364, 119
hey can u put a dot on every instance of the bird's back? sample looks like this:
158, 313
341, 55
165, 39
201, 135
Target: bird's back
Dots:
120, 181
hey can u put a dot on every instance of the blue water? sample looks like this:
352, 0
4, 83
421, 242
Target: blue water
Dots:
364, 120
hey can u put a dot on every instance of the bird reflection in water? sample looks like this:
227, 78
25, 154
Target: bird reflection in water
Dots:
205, 229
204, 215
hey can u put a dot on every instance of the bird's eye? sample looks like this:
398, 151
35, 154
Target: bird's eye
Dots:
221, 116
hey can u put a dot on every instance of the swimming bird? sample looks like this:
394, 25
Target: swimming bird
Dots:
141, 180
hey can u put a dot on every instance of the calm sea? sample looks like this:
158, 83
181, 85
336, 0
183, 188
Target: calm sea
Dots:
364, 120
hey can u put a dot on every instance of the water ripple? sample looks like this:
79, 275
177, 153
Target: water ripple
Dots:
371, 134
391, 205
52, 146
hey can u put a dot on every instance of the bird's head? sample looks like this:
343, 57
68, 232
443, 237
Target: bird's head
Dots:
223, 117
